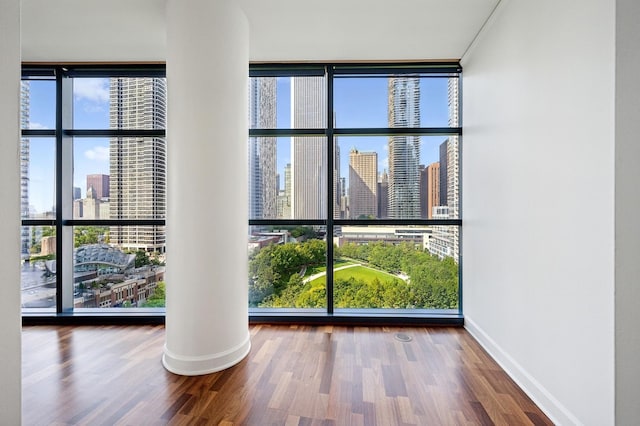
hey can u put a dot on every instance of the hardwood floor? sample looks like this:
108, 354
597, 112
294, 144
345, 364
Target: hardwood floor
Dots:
294, 375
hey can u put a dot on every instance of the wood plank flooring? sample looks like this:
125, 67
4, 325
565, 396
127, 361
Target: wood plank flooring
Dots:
294, 375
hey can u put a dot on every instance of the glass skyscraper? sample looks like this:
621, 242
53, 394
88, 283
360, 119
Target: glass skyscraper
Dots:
404, 151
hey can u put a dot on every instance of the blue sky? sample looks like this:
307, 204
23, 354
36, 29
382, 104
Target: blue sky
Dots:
359, 102
91, 155
362, 102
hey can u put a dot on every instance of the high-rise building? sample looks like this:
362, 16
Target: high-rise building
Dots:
453, 166
25, 231
308, 154
429, 189
449, 236
91, 207
363, 184
263, 180
404, 151
77, 193
137, 184
383, 195
100, 185
344, 199
443, 172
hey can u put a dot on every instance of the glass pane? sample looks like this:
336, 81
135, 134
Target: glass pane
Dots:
38, 104
393, 267
38, 273
119, 103
119, 178
287, 102
388, 101
91, 178
37, 178
398, 177
287, 267
287, 178
110, 275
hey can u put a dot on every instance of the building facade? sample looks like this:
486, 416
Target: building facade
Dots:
404, 151
263, 180
100, 185
308, 154
363, 184
137, 184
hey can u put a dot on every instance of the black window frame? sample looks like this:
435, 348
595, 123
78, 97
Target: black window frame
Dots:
330, 71
113, 315
62, 135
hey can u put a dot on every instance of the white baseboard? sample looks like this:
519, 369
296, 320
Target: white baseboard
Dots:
556, 412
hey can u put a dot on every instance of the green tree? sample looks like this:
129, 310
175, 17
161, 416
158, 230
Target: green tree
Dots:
84, 235
157, 299
142, 259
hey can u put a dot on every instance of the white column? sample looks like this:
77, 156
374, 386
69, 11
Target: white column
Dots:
207, 77
10, 350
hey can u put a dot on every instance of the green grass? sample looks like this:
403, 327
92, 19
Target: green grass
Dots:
359, 273
317, 269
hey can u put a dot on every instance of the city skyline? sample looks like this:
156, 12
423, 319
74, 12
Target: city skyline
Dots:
304, 106
357, 104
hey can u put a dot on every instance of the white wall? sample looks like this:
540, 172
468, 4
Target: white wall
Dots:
10, 349
281, 30
538, 179
93, 30
627, 207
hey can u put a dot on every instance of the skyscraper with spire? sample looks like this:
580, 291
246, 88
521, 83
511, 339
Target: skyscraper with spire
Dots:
404, 151
137, 165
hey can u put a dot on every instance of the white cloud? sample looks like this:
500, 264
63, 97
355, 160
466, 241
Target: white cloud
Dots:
384, 164
98, 153
36, 126
91, 89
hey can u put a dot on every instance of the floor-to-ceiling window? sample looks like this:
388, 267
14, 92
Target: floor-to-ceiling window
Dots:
354, 193
93, 180
353, 189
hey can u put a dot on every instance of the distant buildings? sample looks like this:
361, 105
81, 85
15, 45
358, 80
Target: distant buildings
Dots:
429, 189
383, 195
137, 188
100, 185
284, 195
91, 207
363, 184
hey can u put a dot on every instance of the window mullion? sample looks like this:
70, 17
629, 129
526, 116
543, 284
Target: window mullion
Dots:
64, 195
331, 186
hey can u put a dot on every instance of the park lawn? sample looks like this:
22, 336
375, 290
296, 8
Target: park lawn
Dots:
359, 273
322, 268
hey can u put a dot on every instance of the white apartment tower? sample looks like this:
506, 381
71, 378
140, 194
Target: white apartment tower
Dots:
308, 154
137, 164
453, 166
404, 151
263, 183
363, 184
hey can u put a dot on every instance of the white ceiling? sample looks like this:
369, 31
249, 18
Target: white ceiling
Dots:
281, 30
